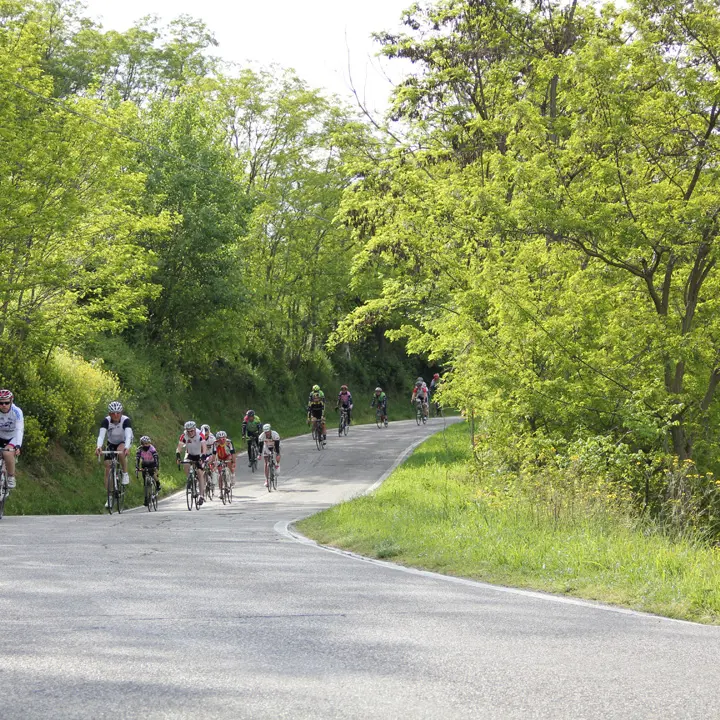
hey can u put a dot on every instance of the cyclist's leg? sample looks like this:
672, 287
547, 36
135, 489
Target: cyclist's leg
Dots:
123, 463
267, 469
9, 457
201, 481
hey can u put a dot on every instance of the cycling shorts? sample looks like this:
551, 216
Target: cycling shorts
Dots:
316, 412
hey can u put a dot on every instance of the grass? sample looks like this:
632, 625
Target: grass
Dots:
435, 514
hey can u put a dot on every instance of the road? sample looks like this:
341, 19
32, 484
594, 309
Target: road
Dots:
221, 613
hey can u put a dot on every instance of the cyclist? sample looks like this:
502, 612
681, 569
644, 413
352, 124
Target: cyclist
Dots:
12, 427
193, 444
434, 384
210, 442
224, 451
117, 427
420, 391
251, 427
316, 409
147, 456
270, 442
380, 400
344, 399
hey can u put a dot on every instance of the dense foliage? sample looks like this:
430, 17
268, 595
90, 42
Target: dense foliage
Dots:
548, 224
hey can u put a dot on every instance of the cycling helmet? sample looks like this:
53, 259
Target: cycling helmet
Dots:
316, 388
419, 380
436, 376
115, 407
205, 429
343, 387
378, 389
418, 383
190, 425
6, 395
266, 427
251, 413
145, 440
220, 435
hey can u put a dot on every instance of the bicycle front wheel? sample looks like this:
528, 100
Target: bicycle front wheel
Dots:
3, 492
223, 483
189, 492
120, 499
317, 436
148, 492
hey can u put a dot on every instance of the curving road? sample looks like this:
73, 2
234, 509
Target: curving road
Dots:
221, 613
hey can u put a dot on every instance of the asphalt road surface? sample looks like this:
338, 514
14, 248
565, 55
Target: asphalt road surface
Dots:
221, 613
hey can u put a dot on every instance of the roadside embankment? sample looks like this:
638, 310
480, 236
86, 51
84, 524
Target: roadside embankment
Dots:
438, 513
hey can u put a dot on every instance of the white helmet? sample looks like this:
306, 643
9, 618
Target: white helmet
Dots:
205, 429
266, 427
190, 425
115, 407
221, 434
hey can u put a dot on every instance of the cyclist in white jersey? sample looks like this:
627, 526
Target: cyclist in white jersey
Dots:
193, 443
117, 427
12, 427
269, 443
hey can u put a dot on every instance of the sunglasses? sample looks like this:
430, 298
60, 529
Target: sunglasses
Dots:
3, 402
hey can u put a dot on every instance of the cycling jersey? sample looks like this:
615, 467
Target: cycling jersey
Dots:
316, 400
345, 398
148, 456
193, 445
421, 392
268, 444
224, 451
210, 441
251, 427
117, 432
12, 426
379, 400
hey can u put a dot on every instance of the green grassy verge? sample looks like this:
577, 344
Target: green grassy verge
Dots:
434, 513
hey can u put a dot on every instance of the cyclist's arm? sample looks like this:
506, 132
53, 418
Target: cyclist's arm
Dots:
17, 438
127, 427
102, 434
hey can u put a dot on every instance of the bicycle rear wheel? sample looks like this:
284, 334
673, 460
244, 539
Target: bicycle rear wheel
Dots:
346, 425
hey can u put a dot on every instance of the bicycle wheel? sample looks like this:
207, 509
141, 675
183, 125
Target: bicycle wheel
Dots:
149, 484
155, 497
222, 485
346, 426
209, 486
189, 487
253, 457
270, 474
118, 489
378, 419
273, 472
3, 491
424, 416
317, 436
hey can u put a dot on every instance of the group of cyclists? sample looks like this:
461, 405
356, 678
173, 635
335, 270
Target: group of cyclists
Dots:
196, 446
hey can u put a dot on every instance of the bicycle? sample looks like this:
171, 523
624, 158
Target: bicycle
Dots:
150, 486
381, 418
209, 484
420, 416
116, 490
437, 409
4, 489
224, 483
272, 471
317, 433
344, 422
253, 454
192, 487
